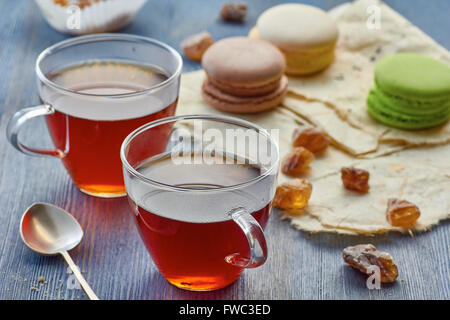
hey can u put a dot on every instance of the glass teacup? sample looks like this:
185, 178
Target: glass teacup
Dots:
201, 201
94, 91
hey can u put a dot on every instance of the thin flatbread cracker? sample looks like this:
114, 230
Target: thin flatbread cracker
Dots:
416, 175
312, 225
356, 142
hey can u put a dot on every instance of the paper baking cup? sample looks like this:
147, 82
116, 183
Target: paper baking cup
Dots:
100, 16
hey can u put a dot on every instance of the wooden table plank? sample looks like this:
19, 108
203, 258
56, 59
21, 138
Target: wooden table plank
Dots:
115, 262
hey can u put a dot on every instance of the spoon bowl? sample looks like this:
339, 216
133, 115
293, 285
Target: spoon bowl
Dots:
49, 230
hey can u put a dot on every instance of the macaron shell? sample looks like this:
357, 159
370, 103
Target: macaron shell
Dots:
413, 75
241, 60
412, 106
304, 61
297, 26
309, 60
229, 103
400, 120
243, 90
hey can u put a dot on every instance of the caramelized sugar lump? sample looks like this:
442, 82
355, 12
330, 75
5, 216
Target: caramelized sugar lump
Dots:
313, 139
365, 256
293, 195
297, 161
195, 46
355, 179
402, 213
234, 12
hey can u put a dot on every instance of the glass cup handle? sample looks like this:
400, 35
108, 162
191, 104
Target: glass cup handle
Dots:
17, 121
255, 237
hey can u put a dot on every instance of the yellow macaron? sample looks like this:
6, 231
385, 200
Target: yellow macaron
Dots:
305, 34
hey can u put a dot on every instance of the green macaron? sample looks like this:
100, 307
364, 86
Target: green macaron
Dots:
411, 91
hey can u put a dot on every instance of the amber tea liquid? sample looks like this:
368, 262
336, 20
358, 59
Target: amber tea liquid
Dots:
189, 237
90, 134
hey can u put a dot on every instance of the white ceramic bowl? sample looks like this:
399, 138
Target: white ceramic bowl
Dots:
99, 16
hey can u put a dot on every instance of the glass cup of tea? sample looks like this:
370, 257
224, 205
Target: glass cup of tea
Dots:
202, 200
94, 91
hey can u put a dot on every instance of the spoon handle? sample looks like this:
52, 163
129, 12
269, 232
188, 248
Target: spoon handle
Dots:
90, 293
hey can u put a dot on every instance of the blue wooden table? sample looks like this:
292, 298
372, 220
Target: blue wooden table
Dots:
111, 256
